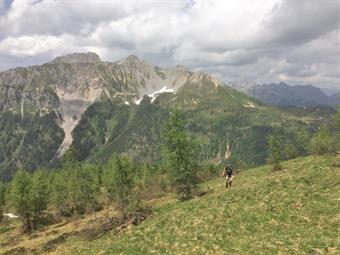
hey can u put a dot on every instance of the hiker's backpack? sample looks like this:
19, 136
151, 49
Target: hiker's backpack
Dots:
229, 170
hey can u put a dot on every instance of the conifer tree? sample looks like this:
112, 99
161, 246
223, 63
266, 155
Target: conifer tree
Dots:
81, 185
39, 197
87, 187
21, 198
119, 185
274, 144
178, 156
60, 192
122, 184
29, 196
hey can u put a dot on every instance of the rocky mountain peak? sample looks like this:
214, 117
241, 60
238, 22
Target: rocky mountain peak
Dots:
130, 60
242, 84
88, 57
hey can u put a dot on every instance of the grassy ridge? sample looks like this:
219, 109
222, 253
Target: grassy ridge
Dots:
293, 211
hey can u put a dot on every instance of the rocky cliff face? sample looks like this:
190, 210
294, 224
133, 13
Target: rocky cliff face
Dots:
74, 58
69, 84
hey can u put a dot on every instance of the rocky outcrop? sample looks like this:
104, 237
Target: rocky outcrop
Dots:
69, 84
85, 58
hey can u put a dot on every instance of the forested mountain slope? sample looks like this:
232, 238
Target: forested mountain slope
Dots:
101, 107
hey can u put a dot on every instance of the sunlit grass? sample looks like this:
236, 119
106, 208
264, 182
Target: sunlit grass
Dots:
293, 211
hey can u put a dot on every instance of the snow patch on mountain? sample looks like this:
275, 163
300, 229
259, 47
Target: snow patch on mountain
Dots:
249, 104
155, 94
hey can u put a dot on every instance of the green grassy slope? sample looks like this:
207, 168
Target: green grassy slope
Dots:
294, 211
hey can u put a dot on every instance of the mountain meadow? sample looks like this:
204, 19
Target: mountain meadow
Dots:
127, 158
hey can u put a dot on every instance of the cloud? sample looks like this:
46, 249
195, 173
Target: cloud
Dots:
266, 40
31, 45
2, 7
298, 22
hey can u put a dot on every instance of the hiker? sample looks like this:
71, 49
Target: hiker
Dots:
228, 174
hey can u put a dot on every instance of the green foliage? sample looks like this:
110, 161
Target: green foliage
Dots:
152, 181
250, 149
275, 150
297, 210
178, 156
216, 116
207, 171
290, 151
40, 194
75, 187
60, 192
32, 141
101, 123
322, 141
119, 185
2, 199
336, 121
29, 196
21, 198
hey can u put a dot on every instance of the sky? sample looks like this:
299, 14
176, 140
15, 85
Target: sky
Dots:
294, 41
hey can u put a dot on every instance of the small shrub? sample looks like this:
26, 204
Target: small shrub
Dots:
290, 151
322, 141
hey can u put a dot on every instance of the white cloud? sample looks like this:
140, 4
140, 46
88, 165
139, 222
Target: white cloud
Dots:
2, 6
35, 45
268, 40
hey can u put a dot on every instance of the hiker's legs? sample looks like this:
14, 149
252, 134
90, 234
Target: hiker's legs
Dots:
230, 181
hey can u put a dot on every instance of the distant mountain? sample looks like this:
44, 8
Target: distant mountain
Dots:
282, 94
330, 91
242, 84
336, 98
101, 108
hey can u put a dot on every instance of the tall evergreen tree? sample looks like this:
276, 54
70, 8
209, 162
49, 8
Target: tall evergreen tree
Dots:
75, 187
178, 155
119, 184
39, 197
86, 188
275, 147
29, 196
60, 192
21, 198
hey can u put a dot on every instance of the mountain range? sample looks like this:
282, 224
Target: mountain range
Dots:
282, 94
100, 107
